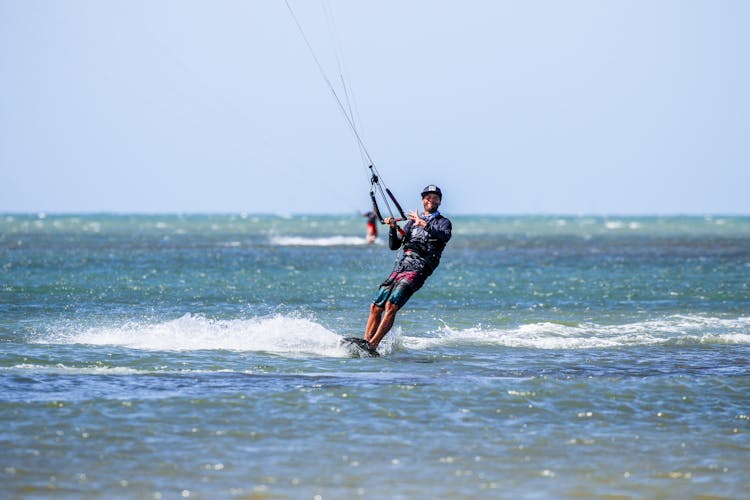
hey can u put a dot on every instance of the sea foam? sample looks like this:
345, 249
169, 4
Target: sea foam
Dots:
289, 335
280, 334
676, 329
327, 241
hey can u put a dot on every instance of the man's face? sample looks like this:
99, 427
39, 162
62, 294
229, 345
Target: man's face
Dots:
431, 202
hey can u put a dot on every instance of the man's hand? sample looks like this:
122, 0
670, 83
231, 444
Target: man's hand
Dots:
416, 219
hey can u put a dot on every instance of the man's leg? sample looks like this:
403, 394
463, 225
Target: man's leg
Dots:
385, 325
373, 322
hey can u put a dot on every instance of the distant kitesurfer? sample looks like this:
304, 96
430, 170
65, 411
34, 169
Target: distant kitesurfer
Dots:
372, 228
423, 240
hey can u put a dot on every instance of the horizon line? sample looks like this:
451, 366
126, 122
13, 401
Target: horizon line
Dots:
73, 213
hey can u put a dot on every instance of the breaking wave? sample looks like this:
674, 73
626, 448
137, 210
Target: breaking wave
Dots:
326, 241
288, 335
673, 330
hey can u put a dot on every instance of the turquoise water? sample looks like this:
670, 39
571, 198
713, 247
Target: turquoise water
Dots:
197, 356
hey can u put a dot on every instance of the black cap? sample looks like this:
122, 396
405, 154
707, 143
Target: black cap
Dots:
432, 188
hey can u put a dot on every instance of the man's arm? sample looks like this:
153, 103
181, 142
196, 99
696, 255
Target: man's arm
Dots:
440, 229
394, 238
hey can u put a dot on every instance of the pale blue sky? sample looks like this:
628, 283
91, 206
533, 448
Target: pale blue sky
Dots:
564, 107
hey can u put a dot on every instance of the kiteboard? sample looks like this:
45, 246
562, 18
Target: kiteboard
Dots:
358, 347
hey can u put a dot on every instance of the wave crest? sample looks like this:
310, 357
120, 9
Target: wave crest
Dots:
324, 241
277, 334
673, 330
297, 336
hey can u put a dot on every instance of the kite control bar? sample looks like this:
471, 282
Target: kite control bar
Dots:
376, 186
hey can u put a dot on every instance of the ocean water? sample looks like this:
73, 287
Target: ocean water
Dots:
548, 357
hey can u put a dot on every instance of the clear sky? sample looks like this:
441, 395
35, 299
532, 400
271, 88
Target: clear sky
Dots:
512, 107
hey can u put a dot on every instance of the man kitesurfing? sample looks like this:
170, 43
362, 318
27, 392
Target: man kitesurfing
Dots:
372, 228
424, 238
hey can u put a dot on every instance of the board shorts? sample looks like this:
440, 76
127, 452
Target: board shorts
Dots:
399, 287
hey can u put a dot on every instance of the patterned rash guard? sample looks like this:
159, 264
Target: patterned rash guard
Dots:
422, 246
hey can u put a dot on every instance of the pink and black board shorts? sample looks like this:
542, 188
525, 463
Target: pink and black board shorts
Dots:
398, 288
